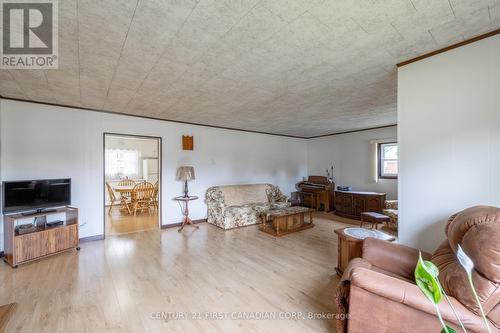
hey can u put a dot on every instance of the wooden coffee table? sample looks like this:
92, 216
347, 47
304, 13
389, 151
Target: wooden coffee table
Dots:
280, 222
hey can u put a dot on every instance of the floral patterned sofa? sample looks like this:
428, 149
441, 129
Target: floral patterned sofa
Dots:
233, 206
391, 210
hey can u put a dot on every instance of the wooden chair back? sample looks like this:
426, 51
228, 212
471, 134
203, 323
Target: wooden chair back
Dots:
111, 193
126, 182
157, 188
143, 192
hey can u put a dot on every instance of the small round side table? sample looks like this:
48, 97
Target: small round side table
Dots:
185, 211
350, 247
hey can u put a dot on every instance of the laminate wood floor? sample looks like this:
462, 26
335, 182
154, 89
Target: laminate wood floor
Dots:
120, 222
143, 282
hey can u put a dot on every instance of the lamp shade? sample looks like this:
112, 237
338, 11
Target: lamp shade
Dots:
185, 173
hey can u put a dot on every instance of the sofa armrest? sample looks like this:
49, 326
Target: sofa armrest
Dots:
395, 258
391, 204
274, 195
409, 294
214, 197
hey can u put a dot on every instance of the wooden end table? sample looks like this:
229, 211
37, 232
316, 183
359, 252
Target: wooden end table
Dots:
350, 247
185, 211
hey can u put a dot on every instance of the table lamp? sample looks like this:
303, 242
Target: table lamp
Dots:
185, 173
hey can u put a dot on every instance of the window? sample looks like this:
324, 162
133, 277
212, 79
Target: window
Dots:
121, 163
388, 160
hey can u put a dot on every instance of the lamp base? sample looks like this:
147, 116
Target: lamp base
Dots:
186, 189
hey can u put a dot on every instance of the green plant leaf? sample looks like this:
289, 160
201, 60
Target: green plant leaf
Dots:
450, 330
432, 269
426, 280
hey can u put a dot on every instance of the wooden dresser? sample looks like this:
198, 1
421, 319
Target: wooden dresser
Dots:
351, 204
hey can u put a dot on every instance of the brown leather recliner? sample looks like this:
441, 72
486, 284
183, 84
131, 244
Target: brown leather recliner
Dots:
378, 292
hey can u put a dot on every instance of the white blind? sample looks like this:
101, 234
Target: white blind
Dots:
122, 163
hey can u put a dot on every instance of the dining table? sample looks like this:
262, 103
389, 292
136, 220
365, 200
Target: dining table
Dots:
125, 192
124, 189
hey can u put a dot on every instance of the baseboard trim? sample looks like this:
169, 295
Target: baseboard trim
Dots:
173, 225
91, 238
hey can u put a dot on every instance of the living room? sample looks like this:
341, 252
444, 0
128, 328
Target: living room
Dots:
260, 94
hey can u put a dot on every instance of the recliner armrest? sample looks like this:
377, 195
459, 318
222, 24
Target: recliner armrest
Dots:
409, 294
395, 258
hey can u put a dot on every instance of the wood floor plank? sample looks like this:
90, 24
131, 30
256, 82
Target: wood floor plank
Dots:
121, 283
120, 222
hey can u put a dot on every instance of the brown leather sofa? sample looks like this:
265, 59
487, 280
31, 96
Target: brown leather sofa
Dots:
378, 294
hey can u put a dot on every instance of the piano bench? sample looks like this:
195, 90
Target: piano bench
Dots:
374, 218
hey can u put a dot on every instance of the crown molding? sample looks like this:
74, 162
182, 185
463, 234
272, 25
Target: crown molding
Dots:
187, 123
451, 47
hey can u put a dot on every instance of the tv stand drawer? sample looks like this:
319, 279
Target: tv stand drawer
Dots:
39, 244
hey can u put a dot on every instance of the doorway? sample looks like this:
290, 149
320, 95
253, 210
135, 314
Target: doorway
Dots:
132, 183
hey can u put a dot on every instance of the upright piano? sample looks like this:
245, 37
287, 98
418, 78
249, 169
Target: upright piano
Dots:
317, 192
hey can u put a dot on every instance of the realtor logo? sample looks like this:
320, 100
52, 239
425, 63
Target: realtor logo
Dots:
29, 34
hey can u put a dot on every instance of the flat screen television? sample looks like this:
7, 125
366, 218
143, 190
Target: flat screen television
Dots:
35, 195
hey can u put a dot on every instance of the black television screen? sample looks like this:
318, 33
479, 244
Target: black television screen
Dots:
30, 195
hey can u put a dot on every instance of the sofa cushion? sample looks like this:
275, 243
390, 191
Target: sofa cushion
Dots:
280, 205
454, 281
239, 195
392, 213
238, 216
477, 230
391, 204
260, 207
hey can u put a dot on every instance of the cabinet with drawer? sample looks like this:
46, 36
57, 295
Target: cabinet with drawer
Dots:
351, 204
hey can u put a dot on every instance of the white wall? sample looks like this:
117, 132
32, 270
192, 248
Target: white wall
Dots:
42, 141
352, 155
449, 138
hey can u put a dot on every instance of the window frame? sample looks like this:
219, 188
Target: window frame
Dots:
381, 175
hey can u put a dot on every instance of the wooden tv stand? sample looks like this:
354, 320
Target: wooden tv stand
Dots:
42, 242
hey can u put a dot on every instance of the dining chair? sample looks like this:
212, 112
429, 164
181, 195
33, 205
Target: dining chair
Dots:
126, 182
154, 199
141, 197
114, 200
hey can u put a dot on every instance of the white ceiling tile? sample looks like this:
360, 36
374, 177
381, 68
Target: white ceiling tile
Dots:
260, 23
463, 8
464, 27
297, 67
495, 14
289, 10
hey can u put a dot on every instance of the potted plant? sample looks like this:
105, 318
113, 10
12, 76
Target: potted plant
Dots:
426, 278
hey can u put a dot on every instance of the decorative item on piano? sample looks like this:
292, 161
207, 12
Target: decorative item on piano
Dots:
329, 175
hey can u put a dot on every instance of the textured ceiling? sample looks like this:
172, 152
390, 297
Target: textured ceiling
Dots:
294, 67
